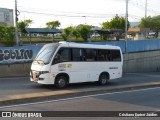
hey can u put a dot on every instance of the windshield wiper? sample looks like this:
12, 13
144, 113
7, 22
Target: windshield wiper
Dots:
41, 62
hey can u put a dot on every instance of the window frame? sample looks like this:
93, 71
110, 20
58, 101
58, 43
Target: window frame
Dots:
69, 56
80, 55
89, 60
82, 51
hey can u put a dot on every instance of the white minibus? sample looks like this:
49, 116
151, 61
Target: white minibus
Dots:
66, 62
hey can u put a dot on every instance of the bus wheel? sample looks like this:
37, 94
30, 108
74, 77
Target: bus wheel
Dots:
103, 79
61, 82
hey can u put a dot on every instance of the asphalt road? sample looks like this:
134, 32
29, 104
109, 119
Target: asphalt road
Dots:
135, 100
14, 86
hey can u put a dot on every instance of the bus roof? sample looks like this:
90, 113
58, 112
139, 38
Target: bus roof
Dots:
83, 45
88, 45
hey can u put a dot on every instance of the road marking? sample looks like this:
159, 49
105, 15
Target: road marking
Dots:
73, 98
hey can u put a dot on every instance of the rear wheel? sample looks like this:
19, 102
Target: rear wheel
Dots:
61, 82
103, 79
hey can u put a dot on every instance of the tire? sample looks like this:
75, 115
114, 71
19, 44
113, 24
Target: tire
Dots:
61, 82
103, 79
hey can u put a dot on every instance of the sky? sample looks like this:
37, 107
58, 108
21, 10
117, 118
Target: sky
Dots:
75, 12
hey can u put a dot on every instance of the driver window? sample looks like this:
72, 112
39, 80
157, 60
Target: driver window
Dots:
63, 55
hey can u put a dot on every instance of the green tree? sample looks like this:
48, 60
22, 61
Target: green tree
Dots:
84, 31
75, 33
67, 32
7, 35
151, 22
2, 32
28, 22
21, 26
53, 24
24, 24
115, 23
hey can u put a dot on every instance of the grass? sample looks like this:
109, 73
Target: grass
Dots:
49, 39
46, 39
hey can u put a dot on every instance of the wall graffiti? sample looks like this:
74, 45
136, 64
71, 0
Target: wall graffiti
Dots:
15, 54
21, 54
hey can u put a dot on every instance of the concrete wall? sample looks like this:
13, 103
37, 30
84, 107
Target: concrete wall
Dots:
142, 62
133, 62
14, 70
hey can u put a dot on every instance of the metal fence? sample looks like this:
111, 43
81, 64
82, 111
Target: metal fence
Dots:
21, 54
134, 46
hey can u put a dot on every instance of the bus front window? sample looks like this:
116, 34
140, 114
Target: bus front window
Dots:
45, 54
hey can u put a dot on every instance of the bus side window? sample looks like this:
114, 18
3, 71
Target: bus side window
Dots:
63, 55
90, 54
76, 54
82, 55
103, 55
109, 55
116, 56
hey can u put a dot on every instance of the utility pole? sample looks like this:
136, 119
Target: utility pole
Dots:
146, 9
16, 23
85, 19
126, 25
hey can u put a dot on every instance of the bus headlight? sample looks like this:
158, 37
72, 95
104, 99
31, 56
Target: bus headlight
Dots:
41, 78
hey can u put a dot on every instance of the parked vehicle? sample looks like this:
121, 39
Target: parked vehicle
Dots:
151, 35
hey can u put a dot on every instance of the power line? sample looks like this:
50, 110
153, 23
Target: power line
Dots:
50, 12
106, 16
53, 11
66, 15
144, 6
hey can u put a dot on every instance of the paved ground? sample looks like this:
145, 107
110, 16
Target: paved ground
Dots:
133, 100
17, 90
14, 86
119, 102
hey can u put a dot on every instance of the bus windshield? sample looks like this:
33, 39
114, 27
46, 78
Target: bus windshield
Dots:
46, 53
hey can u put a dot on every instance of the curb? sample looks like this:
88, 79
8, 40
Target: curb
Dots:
44, 96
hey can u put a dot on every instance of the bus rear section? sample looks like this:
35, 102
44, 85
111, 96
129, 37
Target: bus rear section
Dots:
75, 63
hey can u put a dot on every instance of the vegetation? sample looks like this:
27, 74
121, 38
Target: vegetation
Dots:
115, 23
67, 32
74, 33
53, 24
151, 22
24, 24
7, 35
84, 31
80, 31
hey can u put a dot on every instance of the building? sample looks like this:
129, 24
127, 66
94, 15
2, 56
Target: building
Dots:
6, 17
138, 33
